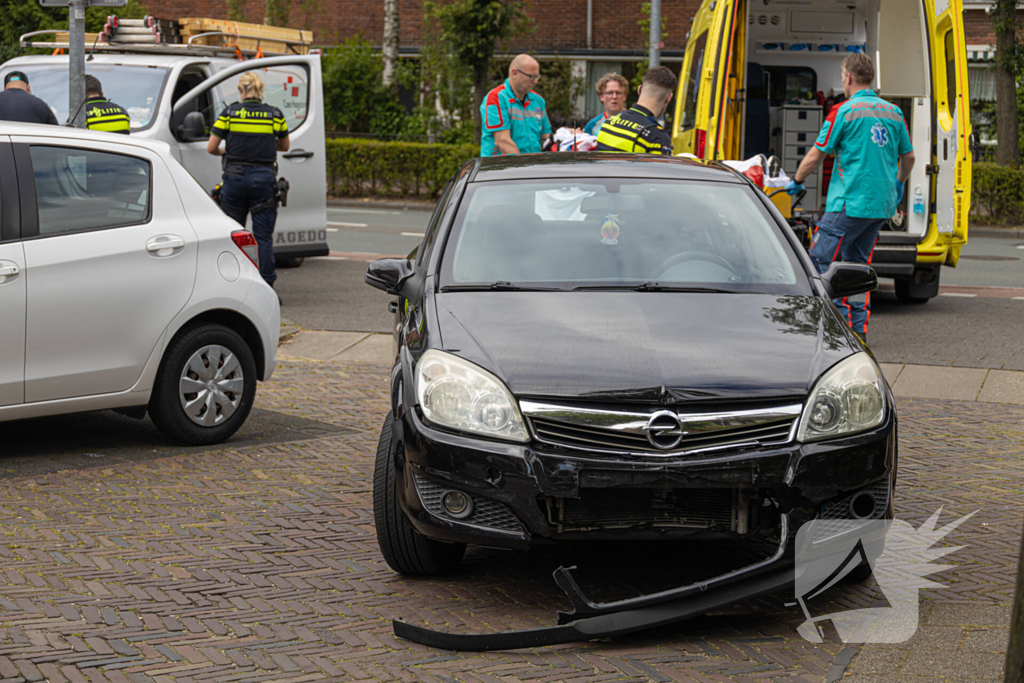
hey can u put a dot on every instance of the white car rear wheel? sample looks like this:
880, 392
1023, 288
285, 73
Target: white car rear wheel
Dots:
205, 387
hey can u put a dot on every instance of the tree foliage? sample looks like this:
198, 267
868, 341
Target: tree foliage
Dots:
277, 12
18, 17
473, 30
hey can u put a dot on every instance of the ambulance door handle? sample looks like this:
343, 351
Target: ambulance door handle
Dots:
297, 154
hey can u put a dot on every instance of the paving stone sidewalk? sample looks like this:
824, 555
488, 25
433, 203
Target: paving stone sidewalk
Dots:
261, 564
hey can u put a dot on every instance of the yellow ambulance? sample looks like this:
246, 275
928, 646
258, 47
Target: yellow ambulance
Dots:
749, 82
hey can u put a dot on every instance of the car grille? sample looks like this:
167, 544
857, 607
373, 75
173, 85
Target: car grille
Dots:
566, 433
486, 512
654, 508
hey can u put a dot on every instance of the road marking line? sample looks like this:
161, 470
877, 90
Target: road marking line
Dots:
958, 294
411, 234
1017, 298
348, 225
332, 230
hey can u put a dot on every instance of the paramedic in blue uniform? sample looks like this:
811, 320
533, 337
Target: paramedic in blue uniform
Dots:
873, 161
515, 119
254, 132
611, 90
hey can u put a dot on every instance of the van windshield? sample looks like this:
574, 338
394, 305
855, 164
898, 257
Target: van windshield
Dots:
136, 88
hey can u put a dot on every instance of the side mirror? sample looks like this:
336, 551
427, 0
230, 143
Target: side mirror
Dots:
194, 127
849, 279
388, 274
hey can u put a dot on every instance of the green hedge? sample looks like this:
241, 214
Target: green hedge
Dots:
998, 194
363, 167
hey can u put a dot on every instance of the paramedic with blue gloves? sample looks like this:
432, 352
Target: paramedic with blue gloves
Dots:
873, 160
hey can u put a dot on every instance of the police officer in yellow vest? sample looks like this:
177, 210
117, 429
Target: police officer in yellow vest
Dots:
636, 129
101, 113
254, 132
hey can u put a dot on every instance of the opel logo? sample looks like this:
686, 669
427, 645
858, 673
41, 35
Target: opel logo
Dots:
664, 430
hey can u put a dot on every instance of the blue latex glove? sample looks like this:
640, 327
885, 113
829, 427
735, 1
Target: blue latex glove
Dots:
899, 192
794, 188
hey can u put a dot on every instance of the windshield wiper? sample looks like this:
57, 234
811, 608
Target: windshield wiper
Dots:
655, 287
500, 285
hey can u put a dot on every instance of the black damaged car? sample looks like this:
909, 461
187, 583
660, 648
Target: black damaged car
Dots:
608, 346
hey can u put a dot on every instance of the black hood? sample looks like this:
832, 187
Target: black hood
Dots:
645, 346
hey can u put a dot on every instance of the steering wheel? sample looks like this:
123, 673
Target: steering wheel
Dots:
685, 256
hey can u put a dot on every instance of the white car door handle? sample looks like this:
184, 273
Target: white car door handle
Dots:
164, 245
9, 270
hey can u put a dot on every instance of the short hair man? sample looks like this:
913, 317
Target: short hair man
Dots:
611, 91
637, 129
515, 119
18, 104
102, 114
874, 157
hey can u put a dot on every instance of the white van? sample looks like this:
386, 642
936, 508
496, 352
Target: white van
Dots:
750, 65
159, 90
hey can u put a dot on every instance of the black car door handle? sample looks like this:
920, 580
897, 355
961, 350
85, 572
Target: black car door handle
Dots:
297, 154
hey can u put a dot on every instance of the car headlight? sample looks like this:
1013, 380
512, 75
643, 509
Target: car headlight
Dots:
849, 398
455, 393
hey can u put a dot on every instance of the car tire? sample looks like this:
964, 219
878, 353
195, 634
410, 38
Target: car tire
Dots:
200, 346
291, 262
406, 550
903, 293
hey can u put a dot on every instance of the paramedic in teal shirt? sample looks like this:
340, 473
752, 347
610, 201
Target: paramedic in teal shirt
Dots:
873, 161
515, 119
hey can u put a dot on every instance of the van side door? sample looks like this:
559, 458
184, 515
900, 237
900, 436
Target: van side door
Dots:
952, 123
12, 283
294, 84
709, 110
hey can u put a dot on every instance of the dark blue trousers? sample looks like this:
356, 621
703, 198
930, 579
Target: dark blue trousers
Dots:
243, 189
839, 237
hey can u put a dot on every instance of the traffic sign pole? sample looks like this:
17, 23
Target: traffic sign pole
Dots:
76, 63
76, 51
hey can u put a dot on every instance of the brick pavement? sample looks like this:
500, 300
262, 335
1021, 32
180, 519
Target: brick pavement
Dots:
260, 563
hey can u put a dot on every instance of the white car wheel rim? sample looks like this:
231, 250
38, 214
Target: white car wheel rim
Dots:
211, 385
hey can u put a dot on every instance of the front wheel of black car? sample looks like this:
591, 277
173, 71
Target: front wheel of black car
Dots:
406, 550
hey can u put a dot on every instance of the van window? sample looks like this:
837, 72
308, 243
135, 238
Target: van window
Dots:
689, 119
82, 189
287, 88
136, 88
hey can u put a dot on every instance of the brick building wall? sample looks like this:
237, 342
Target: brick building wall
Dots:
560, 24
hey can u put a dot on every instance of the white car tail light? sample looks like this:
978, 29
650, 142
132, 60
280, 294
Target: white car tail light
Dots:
246, 241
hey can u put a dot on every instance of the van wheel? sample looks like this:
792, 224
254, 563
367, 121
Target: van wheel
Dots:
406, 550
293, 262
205, 387
903, 294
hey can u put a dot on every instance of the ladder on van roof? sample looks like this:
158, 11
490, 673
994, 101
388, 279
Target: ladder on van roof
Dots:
189, 36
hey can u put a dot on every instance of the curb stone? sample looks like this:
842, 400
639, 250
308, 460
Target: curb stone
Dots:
1005, 233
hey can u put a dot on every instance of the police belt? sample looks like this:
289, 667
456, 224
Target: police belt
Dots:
234, 167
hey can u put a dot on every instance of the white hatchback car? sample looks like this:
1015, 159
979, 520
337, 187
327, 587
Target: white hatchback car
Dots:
123, 285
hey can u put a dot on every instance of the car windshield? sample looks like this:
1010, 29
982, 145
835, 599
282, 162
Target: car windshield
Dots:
136, 88
609, 233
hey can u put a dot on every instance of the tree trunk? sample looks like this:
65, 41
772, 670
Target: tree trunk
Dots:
390, 40
479, 93
1015, 650
1008, 150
